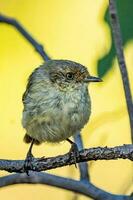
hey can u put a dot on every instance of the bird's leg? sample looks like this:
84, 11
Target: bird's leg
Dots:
74, 152
28, 159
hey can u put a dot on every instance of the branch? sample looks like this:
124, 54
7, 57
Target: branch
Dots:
42, 164
38, 47
120, 55
87, 189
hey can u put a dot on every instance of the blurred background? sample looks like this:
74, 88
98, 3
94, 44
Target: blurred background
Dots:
79, 31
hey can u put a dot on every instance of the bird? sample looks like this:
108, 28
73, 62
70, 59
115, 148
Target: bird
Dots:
56, 103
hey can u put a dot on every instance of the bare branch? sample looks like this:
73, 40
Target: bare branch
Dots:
42, 164
120, 55
87, 189
38, 47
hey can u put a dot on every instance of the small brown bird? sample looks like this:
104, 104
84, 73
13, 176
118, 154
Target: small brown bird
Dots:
56, 102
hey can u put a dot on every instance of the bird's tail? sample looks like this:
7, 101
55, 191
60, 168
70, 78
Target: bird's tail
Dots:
28, 139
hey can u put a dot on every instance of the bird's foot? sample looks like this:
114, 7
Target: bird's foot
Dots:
74, 153
27, 162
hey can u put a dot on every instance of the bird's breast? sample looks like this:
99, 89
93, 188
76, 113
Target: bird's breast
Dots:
59, 117
76, 109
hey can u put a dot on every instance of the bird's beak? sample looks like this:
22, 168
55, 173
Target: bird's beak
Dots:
92, 79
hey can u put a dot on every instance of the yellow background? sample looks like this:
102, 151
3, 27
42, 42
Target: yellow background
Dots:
74, 30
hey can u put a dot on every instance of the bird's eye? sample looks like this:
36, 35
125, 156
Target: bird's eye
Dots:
70, 76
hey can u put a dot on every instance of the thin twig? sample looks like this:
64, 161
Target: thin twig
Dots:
120, 56
42, 164
87, 189
38, 47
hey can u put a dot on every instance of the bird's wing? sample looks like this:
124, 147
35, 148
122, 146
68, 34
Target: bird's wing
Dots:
29, 84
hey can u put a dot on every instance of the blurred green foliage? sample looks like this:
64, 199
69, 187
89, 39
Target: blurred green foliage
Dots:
125, 13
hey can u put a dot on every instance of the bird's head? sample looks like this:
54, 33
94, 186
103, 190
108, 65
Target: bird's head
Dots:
69, 75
